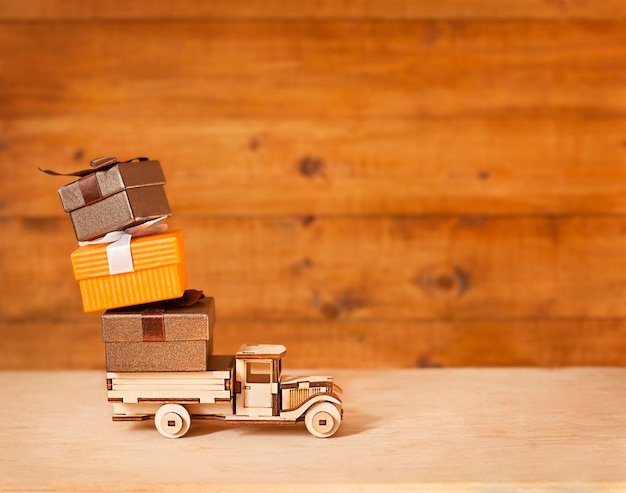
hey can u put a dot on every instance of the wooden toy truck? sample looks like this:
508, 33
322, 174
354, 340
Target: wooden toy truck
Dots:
244, 388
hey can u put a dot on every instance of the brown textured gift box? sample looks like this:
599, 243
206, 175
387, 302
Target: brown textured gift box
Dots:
153, 338
114, 198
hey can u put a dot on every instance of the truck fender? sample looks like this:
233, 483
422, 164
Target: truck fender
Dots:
298, 412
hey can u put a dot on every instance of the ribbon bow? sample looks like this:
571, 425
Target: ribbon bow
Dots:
98, 164
189, 298
119, 256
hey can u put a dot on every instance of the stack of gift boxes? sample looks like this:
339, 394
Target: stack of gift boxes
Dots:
129, 264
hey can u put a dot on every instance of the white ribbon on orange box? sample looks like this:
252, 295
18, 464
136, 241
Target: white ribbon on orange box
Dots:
119, 256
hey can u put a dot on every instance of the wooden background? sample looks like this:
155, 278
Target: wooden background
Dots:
373, 184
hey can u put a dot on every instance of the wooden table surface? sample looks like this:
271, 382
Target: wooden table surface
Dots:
407, 430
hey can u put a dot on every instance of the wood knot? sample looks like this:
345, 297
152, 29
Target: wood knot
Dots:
444, 281
329, 311
254, 143
312, 166
484, 175
307, 221
301, 266
344, 304
79, 154
426, 362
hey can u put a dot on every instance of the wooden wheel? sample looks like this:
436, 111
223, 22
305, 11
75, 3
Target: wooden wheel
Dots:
322, 419
172, 420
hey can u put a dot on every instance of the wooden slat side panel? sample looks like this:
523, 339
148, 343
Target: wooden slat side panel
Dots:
305, 69
52, 345
363, 268
310, 9
312, 167
545, 343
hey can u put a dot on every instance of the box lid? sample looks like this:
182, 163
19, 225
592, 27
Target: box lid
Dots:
155, 250
109, 180
179, 323
122, 210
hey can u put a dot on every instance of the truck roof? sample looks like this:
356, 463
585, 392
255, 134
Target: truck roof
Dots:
261, 351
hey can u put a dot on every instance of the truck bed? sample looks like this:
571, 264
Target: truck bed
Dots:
138, 395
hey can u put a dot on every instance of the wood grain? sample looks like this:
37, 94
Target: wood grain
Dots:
348, 344
227, 167
311, 9
357, 268
468, 430
312, 69
371, 183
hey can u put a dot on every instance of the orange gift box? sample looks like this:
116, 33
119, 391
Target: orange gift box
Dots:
159, 272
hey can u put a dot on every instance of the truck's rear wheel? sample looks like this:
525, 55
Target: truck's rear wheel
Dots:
322, 419
172, 420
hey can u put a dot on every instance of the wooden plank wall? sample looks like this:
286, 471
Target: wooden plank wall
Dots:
373, 184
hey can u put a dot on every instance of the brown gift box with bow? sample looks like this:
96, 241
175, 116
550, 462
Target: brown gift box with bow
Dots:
163, 336
114, 195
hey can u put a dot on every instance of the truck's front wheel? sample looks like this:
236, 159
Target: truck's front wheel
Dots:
172, 420
322, 419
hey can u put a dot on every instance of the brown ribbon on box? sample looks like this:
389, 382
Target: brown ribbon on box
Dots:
87, 183
153, 315
153, 325
89, 189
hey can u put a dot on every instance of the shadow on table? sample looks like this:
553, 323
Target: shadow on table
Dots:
354, 423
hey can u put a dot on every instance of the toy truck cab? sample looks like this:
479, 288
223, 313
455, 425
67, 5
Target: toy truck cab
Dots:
262, 393
245, 388
258, 372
